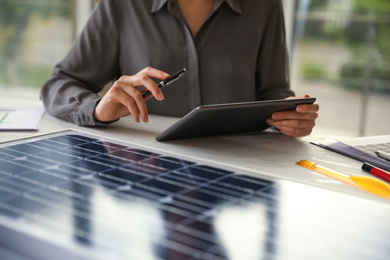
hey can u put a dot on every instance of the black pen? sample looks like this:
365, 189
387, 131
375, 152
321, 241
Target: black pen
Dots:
168, 81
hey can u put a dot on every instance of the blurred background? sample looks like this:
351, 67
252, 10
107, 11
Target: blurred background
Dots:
339, 53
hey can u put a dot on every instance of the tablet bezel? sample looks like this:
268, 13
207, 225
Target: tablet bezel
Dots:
231, 118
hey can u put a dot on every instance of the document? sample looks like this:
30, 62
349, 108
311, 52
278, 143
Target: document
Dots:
352, 152
14, 119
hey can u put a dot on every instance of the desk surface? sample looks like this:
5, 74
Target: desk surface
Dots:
267, 153
300, 223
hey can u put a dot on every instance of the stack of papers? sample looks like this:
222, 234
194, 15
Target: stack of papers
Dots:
12, 119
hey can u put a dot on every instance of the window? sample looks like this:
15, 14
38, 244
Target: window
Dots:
340, 54
34, 36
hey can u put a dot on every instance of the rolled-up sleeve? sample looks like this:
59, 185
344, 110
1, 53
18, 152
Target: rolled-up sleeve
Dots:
71, 91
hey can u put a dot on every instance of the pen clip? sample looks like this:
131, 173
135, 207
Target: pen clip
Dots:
173, 78
168, 81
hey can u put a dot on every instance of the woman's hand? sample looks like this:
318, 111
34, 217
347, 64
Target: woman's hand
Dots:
124, 97
297, 123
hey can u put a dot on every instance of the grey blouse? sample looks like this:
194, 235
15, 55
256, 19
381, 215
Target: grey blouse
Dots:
238, 55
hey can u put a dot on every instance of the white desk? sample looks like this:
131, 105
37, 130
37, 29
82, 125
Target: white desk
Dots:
266, 153
301, 223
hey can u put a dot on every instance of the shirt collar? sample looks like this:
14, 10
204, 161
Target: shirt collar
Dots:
235, 5
157, 5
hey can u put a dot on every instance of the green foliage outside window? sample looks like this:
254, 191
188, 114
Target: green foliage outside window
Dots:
313, 71
14, 18
375, 47
365, 17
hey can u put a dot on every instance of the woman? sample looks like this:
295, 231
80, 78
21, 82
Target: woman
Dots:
234, 51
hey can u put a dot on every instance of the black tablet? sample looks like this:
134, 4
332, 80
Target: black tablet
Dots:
232, 118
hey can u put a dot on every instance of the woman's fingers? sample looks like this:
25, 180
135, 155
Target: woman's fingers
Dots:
299, 122
124, 97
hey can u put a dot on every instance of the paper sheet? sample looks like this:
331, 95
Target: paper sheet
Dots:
13, 119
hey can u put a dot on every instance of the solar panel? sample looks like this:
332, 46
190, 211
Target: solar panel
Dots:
72, 195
